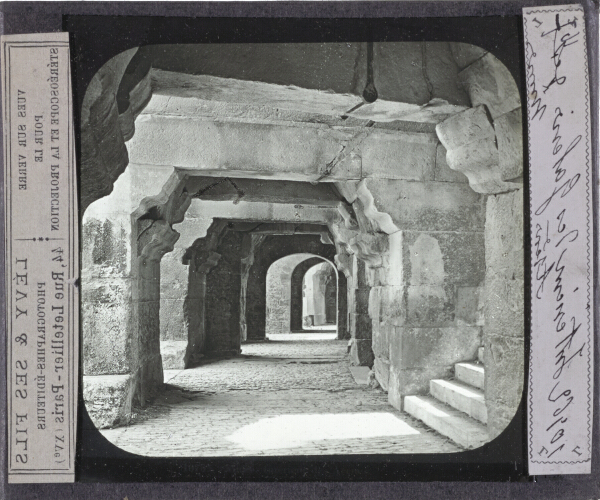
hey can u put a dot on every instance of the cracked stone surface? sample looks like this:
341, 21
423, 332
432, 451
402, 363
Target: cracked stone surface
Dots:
292, 395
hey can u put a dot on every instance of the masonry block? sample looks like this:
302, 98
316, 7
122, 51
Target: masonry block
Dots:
509, 136
499, 417
504, 307
469, 306
504, 370
438, 206
361, 352
489, 82
381, 367
418, 355
108, 399
430, 306
443, 172
444, 258
466, 54
381, 342
504, 235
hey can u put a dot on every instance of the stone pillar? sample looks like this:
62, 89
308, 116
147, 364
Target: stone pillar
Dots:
251, 244
360, 323
331, 298
154, 239
504, 329
194, 307
318, 295
342, 306
223, 286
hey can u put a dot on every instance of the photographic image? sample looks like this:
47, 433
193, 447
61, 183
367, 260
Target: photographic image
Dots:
302, 248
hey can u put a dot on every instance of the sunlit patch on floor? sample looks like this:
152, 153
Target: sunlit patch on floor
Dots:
291, 431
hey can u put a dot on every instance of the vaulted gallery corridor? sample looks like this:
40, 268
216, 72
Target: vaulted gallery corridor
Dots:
292, 262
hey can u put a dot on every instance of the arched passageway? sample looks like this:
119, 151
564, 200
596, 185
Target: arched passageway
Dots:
272, 249
296, 296
432, 257
286, 295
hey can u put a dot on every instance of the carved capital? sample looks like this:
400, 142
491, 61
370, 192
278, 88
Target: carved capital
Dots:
370, 248
156, 240
206, 261
343, 261
470, 140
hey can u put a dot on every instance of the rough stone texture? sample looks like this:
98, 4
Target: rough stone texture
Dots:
417, 331
108, 399
443, 172
381, 368
488, 81
472, 148
360, 323
172, 353
173, 288
223, 286
504, 309
103, 152
437, 206
466, 54
386, 156
509, 136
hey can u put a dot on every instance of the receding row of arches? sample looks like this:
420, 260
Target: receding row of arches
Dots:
301, 294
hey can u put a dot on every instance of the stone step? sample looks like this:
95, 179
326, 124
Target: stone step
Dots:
463, 397
480, 352
470, 373
452, 423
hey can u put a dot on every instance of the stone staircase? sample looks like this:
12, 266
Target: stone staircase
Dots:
455, 408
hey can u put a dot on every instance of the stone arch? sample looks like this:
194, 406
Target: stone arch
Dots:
436, 198
271, 250
319, 304
279, 292
296, 280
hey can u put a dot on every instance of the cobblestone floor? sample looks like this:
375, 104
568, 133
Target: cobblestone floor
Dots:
293, 395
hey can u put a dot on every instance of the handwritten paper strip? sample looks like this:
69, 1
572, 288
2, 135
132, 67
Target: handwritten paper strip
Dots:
560, 388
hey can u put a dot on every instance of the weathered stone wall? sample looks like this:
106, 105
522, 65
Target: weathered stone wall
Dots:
486, 143
422, 245
504, 309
